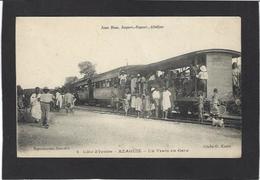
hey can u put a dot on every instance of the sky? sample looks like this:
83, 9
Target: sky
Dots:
48, 49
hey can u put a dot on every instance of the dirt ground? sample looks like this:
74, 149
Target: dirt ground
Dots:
84, 133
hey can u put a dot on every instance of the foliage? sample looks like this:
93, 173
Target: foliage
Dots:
68, 83
70, 79
87, 68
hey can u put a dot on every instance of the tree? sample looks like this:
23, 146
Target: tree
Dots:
87, 68
68, 82
70, 79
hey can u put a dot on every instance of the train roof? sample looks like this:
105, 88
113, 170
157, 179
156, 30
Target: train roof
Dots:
185, 59
174, 62
129, 69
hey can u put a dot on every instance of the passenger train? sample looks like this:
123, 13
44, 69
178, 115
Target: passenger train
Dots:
99, 89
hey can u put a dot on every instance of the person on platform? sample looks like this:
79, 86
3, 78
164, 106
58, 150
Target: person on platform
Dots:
36, 105
114, 99
215, 102
21, 107
139, 105
194, 69
69, 100
147, 104
152, 109
200, 106
156, 98
58, 99
144, 85
133, 100
127, 100
45, 99
166, 102
139, 83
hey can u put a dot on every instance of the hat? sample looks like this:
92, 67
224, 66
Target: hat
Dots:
203, 68
45, 88
138, 74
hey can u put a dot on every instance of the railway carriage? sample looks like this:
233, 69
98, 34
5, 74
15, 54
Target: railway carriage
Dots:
100, 89
219, 68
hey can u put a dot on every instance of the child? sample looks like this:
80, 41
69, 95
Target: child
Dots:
215, 102
139, 105
127, 100
200, 105
133, 101
156, 100
166, 102
147, 104
152, 107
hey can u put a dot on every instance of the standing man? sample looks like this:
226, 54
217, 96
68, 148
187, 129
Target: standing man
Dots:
69, 102
46, 99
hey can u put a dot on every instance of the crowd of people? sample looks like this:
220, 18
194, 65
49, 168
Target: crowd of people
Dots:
154, 93
41, 102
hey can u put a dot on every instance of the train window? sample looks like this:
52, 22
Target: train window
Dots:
97, 84
103, 84
108, 83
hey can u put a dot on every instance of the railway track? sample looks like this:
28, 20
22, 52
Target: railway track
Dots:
230, 122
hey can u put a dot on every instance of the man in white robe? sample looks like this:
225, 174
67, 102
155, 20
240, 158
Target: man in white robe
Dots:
59, 99
36, 105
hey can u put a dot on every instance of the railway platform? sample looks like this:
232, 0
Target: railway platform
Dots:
231, 121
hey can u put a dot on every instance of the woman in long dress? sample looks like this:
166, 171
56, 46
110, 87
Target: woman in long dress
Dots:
147, 104
166, 102
36, 106
139, 105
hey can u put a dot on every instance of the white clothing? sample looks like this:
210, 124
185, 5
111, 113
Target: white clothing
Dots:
68, 98
133, 102
123, 77
203, 75
59, 99
156, 94
36, 106
166, 101
128, 97
152, 78
46, 97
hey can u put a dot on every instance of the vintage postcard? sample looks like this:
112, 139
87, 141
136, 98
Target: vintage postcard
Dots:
129, 87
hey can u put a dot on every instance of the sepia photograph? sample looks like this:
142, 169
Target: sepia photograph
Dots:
128, 87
